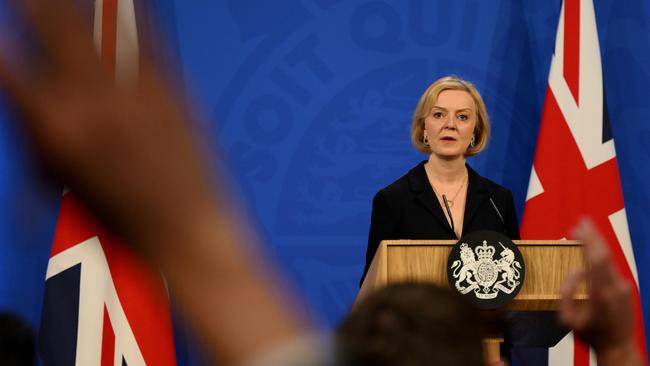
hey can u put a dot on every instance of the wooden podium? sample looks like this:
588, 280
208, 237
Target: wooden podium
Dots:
547, 262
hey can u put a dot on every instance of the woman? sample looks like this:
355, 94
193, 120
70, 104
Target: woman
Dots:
443, 198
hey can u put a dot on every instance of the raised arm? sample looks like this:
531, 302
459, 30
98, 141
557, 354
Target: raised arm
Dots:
134, 158
605, 320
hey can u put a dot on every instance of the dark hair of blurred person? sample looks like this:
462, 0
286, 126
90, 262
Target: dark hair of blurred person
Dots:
411, 324
16, 341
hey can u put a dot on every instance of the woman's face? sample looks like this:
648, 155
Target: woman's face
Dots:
449, 126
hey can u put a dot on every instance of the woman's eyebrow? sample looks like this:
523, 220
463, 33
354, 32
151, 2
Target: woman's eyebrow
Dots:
467, 109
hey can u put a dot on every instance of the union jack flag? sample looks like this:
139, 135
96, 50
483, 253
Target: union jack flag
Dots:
102, 305
575, 171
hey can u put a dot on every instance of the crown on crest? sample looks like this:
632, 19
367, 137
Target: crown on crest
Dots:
465, 249
484, 251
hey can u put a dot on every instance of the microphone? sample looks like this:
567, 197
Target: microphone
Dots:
497, 210
451, 219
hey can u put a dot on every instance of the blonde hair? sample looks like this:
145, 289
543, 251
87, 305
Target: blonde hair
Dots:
428, 100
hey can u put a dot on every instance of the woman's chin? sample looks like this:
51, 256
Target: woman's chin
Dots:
448, 155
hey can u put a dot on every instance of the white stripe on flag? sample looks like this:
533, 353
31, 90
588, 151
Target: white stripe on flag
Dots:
534, 185
126, 45
592, 357
96, 289
621, 230
562, 352
127, 54
97, 26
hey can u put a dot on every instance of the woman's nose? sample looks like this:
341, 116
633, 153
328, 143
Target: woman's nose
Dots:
449, 123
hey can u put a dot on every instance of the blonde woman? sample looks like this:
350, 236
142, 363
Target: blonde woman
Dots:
442, 197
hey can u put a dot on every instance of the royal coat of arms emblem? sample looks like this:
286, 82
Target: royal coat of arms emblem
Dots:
475, 272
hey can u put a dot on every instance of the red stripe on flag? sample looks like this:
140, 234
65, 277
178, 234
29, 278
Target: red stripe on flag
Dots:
580, 353
75, 225
572, 46
108, 341
109, 33
142, 295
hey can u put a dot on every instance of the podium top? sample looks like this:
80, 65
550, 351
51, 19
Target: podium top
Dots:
453, 242
548, 263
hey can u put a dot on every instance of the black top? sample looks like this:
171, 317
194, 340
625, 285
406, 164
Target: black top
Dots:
409, 209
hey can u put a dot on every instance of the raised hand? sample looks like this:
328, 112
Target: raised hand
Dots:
133, 157
605, 319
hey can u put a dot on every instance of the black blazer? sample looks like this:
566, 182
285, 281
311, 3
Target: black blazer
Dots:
409, 209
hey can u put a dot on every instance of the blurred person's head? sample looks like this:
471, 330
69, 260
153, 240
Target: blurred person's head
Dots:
412, 324
16, 342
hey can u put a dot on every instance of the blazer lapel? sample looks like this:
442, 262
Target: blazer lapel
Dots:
477, 193
421, 188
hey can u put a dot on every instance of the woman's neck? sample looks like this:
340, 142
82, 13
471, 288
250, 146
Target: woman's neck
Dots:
446, 171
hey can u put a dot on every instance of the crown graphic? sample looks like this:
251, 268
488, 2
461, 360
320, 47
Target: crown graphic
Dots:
484, 251
465, 250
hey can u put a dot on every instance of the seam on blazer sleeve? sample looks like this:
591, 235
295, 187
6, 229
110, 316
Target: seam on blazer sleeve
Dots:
382, 226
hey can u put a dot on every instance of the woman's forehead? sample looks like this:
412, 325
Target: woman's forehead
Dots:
454, 99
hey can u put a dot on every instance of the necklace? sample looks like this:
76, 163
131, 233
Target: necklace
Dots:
451, 201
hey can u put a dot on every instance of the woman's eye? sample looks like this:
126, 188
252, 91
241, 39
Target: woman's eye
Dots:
437, 114
463, 117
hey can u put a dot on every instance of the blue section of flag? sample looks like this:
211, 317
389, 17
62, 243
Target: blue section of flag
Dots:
529, 357
607, 127
58, 333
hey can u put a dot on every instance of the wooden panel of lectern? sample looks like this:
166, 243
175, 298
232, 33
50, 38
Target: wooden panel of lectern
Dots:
548, 262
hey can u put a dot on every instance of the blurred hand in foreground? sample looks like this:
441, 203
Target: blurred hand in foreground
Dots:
129, 154
133, 158
605, 319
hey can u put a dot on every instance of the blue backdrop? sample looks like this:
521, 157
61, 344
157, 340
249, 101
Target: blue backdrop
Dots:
310, 102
